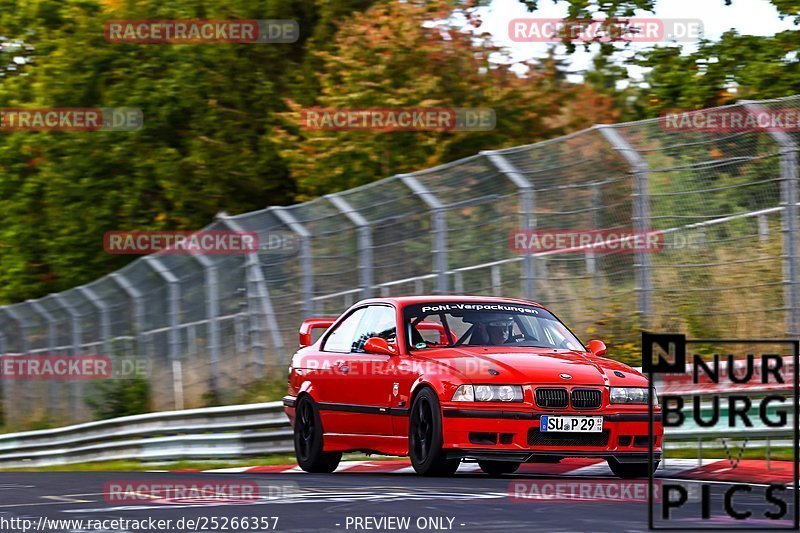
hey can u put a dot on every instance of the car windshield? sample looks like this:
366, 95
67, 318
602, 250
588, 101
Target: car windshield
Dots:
451, 324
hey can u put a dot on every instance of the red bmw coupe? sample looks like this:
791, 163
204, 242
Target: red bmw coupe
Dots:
443, 379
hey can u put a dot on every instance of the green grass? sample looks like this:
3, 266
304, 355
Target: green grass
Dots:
776, 453
271, 388
136, 466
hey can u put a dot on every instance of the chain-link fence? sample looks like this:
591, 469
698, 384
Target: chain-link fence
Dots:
209, 325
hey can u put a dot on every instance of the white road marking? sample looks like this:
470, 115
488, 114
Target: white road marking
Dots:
66, 499
232, 470
347, 465
600, 469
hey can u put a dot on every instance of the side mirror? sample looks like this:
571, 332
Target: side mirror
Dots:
596, 347
378, 345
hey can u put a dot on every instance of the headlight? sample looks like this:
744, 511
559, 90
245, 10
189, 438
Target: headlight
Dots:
464, 394
488, 393
637, 395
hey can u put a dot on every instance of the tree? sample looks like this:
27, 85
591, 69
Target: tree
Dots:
735, 67
408, 55
719, 72
207, 143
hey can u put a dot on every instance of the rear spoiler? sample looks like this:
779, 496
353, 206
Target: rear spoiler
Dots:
311, 324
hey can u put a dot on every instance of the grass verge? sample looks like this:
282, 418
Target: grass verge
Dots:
136, 466
776, 454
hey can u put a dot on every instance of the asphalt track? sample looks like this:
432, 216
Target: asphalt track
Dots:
468, 502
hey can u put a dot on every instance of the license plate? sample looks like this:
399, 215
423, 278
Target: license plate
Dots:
571, 424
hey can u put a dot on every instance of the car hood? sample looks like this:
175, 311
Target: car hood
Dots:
535, 365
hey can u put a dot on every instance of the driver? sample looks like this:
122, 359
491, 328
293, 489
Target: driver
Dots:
498, 331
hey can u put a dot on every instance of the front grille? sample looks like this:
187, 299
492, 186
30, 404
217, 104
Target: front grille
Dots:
551, 398
537, 438
586, 398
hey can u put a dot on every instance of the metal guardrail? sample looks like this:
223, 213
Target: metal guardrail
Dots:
236, 431
691, 430
208, 433
759, 435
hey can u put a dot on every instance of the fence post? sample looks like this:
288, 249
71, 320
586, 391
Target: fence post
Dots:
23, 328
789, 177
458, 281
25, 348
763, 228
212, 313
365, 274
258, 303
527, 205
699, 451
590, 255
306, 258
138, 308
173, 307
105, 324
39, 309
497, 280
51, 324
641, 216
5, 397
439, 227
76, 390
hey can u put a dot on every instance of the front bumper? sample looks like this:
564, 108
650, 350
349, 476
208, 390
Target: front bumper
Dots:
513, 434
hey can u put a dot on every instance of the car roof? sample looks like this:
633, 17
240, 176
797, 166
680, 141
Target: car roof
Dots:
403, 301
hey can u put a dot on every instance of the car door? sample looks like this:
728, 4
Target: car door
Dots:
322, 368
363, 383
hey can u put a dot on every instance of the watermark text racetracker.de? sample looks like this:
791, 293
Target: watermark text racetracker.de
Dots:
201, 31
45, 524
376, 368
570, 490
599, 241
629, 29
731, 120
71, 119
182, 491
399, 119
71, 367
207, 242
180, 242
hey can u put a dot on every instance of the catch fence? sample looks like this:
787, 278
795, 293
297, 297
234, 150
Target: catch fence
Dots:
208, 326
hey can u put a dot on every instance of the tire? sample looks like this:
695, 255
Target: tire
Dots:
630, 470
498, 468
308, 447
425, 437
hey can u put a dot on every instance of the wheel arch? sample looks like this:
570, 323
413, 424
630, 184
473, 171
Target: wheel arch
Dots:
307, 389
418, 387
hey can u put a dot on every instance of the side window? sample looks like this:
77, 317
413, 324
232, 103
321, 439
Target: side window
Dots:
341, 339
379, 321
